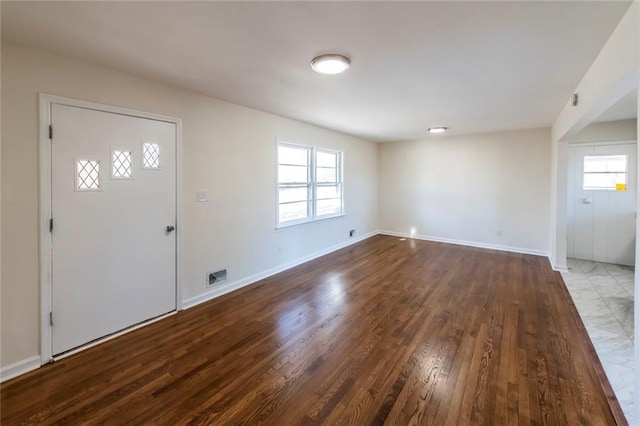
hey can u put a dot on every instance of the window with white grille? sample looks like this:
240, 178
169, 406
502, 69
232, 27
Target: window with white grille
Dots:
309, 184
88, 175
121, 165
328, 183
150, 155
294, 183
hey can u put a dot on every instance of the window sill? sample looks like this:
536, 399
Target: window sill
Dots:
284, 226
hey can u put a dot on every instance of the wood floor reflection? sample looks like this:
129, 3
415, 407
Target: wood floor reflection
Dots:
386, 331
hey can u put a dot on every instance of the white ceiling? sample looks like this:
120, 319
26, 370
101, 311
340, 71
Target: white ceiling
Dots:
624, 109
472, 66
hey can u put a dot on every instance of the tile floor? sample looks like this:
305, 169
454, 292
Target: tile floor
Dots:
603, 294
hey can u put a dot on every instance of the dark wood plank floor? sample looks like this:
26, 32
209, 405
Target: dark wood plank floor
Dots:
387, 331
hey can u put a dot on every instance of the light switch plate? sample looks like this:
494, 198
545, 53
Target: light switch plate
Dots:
202, 196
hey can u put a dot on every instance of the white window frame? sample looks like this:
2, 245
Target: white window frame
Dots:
310, 179
625, 172
312, 186
112, 176
340, 182
77, 161
142, 165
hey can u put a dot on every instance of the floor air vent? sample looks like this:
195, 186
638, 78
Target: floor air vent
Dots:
217, 277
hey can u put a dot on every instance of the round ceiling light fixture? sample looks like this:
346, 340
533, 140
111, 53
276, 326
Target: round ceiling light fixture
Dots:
437, 129
331, 63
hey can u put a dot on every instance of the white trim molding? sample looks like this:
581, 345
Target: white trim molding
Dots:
468, 243
19, 368
232, 286
556, 267
602, 143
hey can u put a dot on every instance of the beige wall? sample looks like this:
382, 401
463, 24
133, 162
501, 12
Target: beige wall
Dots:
228, 150
467, 188
608, 131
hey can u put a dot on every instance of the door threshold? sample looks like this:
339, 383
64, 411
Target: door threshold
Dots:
110, 336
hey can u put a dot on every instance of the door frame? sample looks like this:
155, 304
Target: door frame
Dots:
603, 143
46, 300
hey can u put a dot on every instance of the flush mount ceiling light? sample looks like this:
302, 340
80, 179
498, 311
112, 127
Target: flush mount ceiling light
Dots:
437, 129
330, 64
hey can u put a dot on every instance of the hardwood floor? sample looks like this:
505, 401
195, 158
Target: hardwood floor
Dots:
386, 331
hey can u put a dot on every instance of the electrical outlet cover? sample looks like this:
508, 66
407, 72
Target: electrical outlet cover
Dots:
202, 196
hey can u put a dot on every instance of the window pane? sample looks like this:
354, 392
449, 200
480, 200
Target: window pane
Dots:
88, 175
293, 174
121, 164
293, 211
293, 155
301, 169
326, 175
603, 180
605, 163
288, 195
150, 155
326, 159
328, 192
326, 207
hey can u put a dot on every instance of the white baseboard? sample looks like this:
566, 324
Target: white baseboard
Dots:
18, 368
229, 287
468, 243
556, 267
232, 286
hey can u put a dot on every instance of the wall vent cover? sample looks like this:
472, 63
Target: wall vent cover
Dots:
217, 277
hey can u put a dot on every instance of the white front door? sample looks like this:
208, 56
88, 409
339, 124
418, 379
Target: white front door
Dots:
113, 195
602, 203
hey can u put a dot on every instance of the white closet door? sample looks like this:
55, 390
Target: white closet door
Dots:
601, 220
113, 197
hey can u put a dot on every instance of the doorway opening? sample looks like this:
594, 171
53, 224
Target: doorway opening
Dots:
601, 238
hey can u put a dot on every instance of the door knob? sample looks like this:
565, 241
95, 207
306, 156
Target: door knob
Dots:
170, 228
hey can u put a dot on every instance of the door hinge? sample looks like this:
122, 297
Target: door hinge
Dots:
50, 132
51, 225
51, 319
